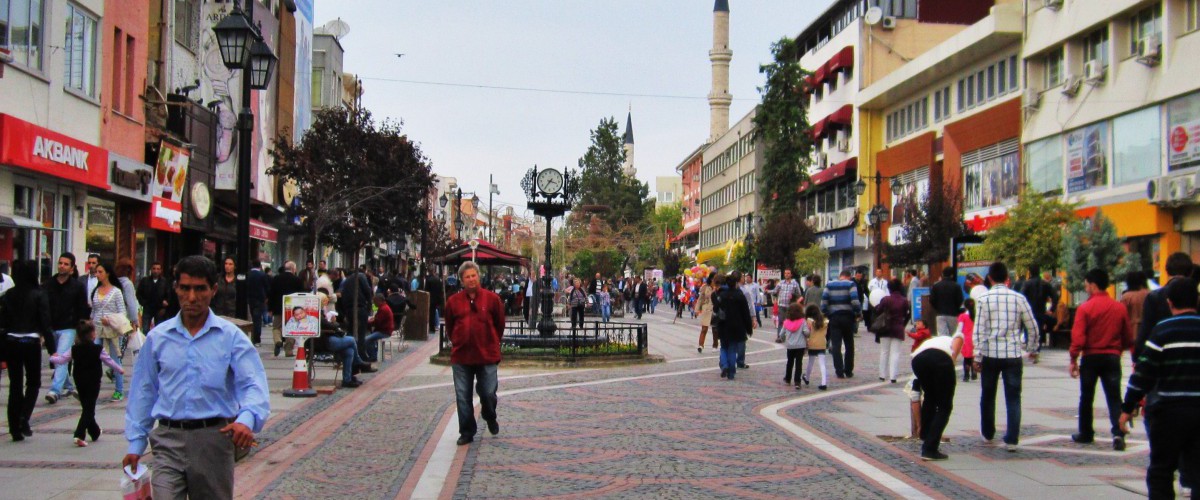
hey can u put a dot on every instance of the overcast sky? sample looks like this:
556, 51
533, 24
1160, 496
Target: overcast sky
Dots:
640, 50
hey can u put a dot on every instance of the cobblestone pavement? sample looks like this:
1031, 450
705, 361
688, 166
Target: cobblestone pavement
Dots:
665, 430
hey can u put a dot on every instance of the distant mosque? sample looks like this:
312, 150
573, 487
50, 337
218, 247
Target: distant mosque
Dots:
628, 169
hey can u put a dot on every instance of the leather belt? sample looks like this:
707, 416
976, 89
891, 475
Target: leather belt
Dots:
193, 424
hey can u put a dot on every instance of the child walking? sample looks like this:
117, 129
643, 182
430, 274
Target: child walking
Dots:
966, 323
796, 342
815, 331
89, 358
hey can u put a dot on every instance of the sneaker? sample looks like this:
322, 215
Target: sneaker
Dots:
934, 457
80, 443
493, 427
1119, 443
743, 367
117, 396
51, 398
821, 387
699, 349
1079, 438
986, 439
798, 386
1010, 447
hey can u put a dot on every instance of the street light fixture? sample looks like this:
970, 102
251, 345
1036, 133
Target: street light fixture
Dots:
442, 200
878, 214
262, 64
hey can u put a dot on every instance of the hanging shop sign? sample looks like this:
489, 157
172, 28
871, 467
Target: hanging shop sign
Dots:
836, 241
129, 177
28, 146
201, 200
165, 215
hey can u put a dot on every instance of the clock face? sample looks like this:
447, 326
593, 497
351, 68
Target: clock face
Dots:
549, 181
201, 201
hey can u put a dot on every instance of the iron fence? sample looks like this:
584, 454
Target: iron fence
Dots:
595, 339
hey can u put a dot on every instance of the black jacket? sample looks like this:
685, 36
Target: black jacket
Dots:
151, 294
284, 283
29, 312
258, 287
731, 303
68, 302
947, 297
437, 293
1154, 309
1037, 292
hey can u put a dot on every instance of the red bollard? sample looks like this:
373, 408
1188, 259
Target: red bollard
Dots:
300, 387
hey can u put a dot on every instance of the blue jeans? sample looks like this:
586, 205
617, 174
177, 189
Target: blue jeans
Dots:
60, 383
1010, 370
114, 352
486, 381
728, 357
348, 350
741, 354
372, 344
653, 304
606, 312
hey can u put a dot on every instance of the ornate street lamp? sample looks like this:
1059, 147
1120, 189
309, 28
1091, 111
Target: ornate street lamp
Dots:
442, 200
262, 64
878, 214
551, 193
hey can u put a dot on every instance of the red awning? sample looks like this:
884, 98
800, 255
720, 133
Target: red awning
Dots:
818, 129
835, 172
843, 59
842, 116
687, 231
819, 75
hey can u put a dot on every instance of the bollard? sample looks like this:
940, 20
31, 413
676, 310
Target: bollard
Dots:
300, 387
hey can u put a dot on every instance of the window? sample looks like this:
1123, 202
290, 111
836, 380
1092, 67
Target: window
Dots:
1137, 138
908, 119
1012, 73
1045, 169
318, 88
962, 101
80, 51
1192, 15
941, 104
1143, 27
22, 29
1052, 65
130, 61
1095, 46
118, 63
187, 24
833, 82
991, 81
22, 201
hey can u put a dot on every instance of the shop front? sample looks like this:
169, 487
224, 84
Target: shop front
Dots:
841, 245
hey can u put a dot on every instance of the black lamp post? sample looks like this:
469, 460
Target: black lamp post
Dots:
878, 213
241, 45
551, 193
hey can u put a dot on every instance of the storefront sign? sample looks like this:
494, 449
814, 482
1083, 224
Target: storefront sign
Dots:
25, 145
768, 274
905, 202
165, 215
1183, 131
261, 231
834, 241
129, 178
170, 173
201, 200
1087, 158
984, 221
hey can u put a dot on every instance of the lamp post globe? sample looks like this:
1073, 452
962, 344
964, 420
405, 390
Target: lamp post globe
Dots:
442, 200
235, 35
262, 64
860, 187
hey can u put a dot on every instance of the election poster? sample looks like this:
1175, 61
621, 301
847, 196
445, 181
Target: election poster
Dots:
301, 315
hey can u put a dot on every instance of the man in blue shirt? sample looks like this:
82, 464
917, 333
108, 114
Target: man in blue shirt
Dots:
202, 380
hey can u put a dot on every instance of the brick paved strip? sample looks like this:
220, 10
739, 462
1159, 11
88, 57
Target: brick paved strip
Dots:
10, 464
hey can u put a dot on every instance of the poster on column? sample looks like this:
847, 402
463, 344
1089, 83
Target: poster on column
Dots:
1087, 158
300, 315
1183, 132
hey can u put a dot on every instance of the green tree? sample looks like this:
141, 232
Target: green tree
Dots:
781, 237
360, 181
811, 259
934, 221
741, 258
1032, 233
604, 183
1088, 244
782, 129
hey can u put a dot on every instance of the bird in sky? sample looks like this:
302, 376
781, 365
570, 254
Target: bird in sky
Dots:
398, 54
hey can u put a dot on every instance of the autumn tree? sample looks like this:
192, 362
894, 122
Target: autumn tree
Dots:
781, 237
933, 222
782, 129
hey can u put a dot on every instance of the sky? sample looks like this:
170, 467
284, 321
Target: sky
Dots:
584, 61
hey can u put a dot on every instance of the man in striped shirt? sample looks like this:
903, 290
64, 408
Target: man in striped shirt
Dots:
1167, 374
1000, 314
840, 305
787, 288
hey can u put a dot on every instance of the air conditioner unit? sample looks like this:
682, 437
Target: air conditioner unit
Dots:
1179, 189
1053, 4
1070, 85
843, 144
1030, 99
1156, 190
1093, 71
888, 23
1151, 52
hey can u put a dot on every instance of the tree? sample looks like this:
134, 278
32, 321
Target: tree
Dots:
1092, 244
781, 238
935, 220
1031, 234
741, 258
359, 181
811, 259
604, 183
782, 128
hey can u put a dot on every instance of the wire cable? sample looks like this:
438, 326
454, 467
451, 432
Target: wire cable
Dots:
543, 90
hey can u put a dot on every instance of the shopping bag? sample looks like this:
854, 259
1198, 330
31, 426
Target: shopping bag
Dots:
135, 485
136, 339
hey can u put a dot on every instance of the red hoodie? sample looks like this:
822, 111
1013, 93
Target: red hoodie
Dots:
475, 327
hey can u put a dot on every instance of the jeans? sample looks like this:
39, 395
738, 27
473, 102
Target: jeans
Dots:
638, 307
61, 383
741, 353
24, 359
435, 316
605, 312
256, 316
1010, 369
147, 318
1107, 368
486, 381
372, 344
889, 357
653, 304
348, 350
728, 358
935, 370
1174, 440
841, 331
946, 325
114, 352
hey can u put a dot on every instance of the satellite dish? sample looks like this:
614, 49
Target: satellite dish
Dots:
337, 27
873, 16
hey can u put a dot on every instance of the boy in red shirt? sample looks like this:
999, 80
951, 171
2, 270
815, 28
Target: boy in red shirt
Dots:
382, 326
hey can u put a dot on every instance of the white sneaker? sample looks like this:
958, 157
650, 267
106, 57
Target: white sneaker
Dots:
80, 443
1011, 448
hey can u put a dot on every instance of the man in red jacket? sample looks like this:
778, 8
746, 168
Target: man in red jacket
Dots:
1101, 334
474, 324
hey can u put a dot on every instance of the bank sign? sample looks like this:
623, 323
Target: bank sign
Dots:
28, 146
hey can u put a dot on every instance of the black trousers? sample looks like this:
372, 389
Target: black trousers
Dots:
841, 331
577, 316
794, 357
89, 391
24, 358
1174, 439
1106, 368
935, 371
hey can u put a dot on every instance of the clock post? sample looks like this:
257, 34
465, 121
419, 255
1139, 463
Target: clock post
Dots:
551, 194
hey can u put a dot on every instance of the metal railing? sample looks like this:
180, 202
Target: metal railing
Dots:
595, 339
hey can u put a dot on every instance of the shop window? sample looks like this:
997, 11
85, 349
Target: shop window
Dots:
1182, 113
1137, 144
22, 30
22, 201
1143, 26
80, 51
1045, 168
990, 176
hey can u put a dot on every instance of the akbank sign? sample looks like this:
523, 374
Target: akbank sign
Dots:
28, 146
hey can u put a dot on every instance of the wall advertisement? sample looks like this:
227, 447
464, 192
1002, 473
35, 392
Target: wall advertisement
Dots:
992, 182
1183, 131
905, 202
1087, 158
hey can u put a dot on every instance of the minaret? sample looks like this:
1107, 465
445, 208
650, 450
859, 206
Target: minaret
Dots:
628, 168
720, 55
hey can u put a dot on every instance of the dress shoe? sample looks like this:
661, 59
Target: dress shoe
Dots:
493, 427
465, 440
1081, 439
1119, 443
743, 367
822, 387
351, 384
724, 373
367, 369
934, 456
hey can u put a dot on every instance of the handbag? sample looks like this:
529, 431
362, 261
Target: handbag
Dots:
879, 323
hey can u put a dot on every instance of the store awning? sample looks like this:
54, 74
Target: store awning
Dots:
687, 231
818, 128
843, 116
18, 222
835, 172
843, 59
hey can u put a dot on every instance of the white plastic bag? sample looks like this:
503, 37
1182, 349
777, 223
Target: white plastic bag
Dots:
135, 485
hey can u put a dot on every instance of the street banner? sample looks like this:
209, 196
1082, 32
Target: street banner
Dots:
300, 315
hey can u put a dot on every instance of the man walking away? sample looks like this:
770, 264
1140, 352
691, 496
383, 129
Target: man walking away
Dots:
1042, 299
202, 380
475, 325
840, 304
947, 299
1155, 309
152, 295
1000, 315
257, 286
1100, 334
1167, 375
812, 292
